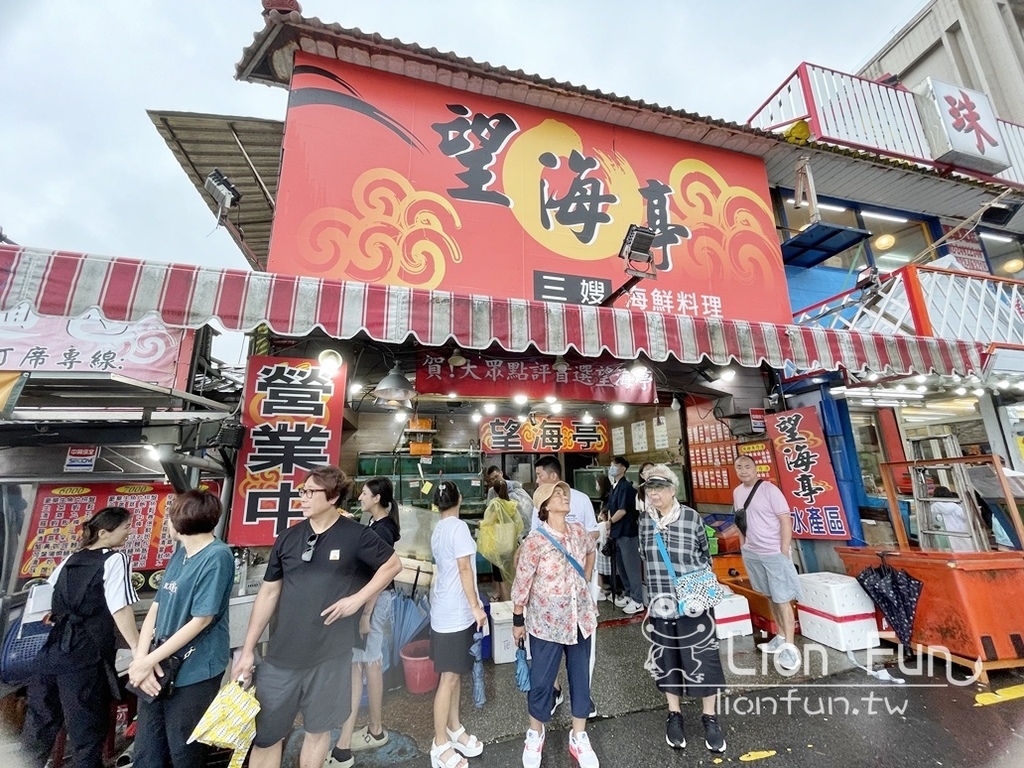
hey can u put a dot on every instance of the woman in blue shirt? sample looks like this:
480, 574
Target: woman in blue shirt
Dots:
190, 611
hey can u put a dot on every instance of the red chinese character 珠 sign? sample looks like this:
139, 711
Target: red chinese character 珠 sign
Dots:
806, 476
444, 189
544, 434
606, 379
293, 414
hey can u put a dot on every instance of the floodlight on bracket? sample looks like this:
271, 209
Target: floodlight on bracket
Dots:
636, 249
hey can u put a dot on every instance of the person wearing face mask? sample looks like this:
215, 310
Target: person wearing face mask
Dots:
625, 531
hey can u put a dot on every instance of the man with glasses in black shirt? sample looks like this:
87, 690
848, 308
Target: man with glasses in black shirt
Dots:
316, 583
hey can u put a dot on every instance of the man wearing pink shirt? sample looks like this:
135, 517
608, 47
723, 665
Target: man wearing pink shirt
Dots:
766, 554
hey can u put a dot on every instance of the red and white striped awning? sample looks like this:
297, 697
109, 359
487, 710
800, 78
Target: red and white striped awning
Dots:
70, 284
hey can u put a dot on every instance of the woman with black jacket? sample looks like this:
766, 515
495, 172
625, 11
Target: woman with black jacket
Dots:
92, 595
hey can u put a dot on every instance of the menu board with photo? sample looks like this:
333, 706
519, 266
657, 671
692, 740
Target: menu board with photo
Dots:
56, 525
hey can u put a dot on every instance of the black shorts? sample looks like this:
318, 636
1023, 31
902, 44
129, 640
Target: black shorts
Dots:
450, 650
684, 658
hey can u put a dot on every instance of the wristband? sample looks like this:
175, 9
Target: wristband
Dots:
518, 620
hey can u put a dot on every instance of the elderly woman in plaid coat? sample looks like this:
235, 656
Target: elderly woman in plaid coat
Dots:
684, 657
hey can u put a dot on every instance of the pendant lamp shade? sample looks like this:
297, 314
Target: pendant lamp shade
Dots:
395, 386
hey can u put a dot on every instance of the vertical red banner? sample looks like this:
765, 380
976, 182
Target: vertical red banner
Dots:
806, 476
293, 414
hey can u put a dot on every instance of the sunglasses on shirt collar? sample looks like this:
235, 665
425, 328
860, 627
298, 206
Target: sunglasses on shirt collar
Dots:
307, 553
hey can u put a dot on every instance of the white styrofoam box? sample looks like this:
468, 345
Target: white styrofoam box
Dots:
503, 648
732, 617
836, 611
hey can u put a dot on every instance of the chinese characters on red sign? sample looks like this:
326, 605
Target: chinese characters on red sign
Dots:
544, 434
606, 380
806, 476
55, 528
464, 192
293, 412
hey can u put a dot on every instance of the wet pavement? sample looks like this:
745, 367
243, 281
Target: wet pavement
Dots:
828, 713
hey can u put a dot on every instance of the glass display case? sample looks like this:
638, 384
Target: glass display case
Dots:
586, 479
409, 473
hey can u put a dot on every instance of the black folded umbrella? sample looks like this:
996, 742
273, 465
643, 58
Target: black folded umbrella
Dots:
896, 594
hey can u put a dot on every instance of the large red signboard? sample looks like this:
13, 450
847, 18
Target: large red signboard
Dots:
604, 379
544, 434
387, 179
806, 476
55, 528
293, 414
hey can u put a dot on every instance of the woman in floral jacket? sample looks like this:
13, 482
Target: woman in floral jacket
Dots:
552, 602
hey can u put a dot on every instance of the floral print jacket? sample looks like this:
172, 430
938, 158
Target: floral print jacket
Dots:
557, 600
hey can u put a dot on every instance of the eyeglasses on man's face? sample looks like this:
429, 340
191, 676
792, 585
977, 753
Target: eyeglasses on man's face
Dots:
307, 553
309, 493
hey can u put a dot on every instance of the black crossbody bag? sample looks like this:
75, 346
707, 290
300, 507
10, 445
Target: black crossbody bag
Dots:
741, 513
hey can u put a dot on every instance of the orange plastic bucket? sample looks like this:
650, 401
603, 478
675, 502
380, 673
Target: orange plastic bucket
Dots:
420, 676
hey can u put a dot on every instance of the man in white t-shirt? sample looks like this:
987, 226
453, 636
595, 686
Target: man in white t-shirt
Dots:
766, 545
548, 469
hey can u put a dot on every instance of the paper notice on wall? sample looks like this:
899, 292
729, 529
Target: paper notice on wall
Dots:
618, 440
639, 429
660, 433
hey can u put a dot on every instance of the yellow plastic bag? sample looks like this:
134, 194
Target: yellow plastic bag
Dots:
499, 535
229, 721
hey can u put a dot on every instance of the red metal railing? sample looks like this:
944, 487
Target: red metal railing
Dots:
851, 111
928, 301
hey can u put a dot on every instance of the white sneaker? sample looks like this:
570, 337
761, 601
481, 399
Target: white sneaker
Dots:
533, 749
620, 601
632, 607
601, 596
580, 749
788, 657
772, 646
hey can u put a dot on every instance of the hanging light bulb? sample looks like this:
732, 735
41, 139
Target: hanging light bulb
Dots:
457, 360
728, 374
476, 417
560, 365
618, 409
520, 399
676, 405
330, 361
587, 418
556, 408
489, 408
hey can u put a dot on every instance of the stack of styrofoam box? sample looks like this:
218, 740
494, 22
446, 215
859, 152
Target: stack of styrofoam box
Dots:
732, 617
503, 647
835, 611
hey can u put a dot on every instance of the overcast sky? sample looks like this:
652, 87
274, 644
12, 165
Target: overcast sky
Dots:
83, 168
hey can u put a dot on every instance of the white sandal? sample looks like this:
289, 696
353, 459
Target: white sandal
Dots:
472, 748
455, 761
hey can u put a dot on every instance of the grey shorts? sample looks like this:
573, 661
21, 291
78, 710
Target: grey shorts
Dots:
322, 693
772, 575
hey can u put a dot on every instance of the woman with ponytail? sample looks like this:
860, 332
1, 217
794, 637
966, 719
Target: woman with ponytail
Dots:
92, 597
377, 500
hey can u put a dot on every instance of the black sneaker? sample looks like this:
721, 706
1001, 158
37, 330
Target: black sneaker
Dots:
675, 737
558, 700
713, 738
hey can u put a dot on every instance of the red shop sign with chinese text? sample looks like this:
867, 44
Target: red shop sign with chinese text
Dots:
806, 476
54, 531
605, 380
547, 434
293, 414
389, 179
